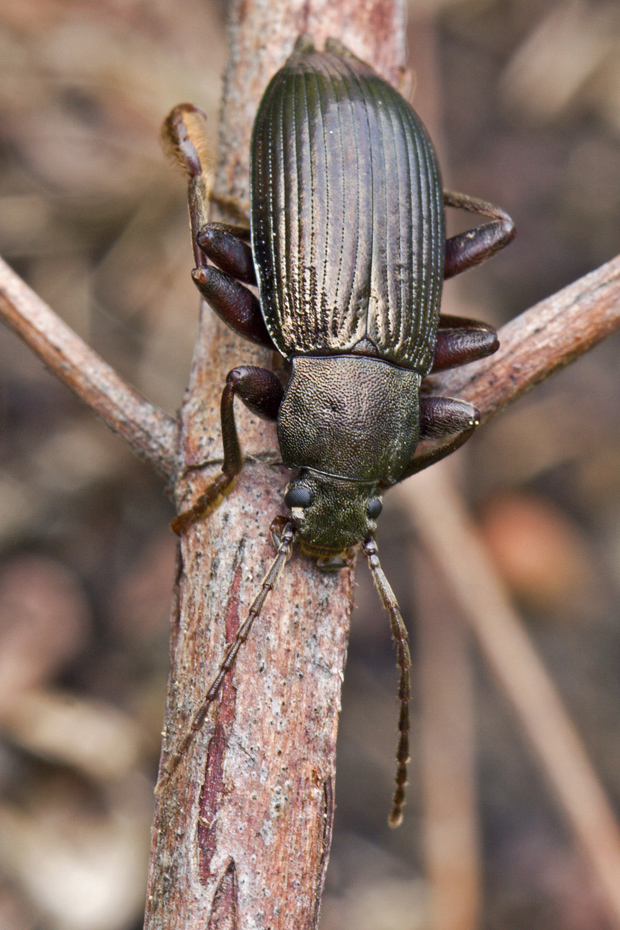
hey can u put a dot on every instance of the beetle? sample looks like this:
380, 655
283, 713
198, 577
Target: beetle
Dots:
348, 249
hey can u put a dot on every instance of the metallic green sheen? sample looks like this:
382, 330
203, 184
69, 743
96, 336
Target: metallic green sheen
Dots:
347, 214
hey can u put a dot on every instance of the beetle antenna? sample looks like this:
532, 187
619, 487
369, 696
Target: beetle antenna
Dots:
285, 532
399, 633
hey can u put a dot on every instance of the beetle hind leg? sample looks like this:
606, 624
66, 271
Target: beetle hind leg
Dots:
474, 246
261, 392
185, 139
441, 417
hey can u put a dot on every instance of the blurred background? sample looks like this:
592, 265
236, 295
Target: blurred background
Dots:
523, 98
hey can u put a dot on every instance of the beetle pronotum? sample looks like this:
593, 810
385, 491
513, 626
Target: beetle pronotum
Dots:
348, 249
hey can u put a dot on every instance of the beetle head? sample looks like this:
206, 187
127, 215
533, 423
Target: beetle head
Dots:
331, 514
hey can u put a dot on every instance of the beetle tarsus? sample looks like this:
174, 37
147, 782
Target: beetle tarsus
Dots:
205, 503
185, 140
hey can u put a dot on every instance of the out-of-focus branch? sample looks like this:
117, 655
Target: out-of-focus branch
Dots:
149, 431
446, 755
450, 537
533, 346
539, 342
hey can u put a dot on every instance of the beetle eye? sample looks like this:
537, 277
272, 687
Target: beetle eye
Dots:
374, 508
297, 497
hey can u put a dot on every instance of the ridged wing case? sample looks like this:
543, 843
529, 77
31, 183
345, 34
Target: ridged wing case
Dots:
347, 213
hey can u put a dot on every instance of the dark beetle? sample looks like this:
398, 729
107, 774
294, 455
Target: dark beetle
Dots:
348, 250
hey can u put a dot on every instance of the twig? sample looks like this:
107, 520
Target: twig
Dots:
448, 533
447, 753
539, 342
148, 430
532, 347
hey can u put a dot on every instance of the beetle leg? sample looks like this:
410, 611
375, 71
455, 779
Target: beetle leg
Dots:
472, 247
460, 340
233, 303
185, 140
184, 136
425, 459
440, 416
227, 247
261, 392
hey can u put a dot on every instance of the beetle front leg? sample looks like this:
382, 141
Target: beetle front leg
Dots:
261, 392
474, 246
442, 416
439, 417
460, 340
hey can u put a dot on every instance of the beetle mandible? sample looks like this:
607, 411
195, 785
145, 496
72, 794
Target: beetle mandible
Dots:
349, 252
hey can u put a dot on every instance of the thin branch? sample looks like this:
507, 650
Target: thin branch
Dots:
149, 431
446, 754
533, 346
539, 342
450, 536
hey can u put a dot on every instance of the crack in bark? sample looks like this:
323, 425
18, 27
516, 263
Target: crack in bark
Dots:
225, 911
214, 788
